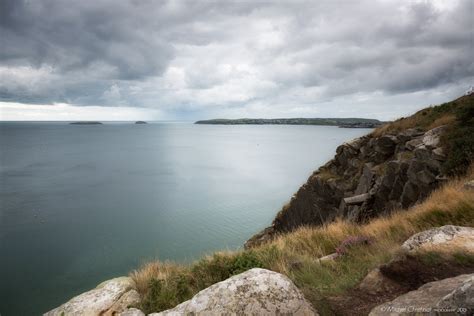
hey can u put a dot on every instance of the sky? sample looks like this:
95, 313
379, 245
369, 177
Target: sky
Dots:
189, 60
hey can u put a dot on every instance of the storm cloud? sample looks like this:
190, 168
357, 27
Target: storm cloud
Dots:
197, 59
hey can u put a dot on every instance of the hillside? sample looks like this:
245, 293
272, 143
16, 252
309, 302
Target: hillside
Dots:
342, 122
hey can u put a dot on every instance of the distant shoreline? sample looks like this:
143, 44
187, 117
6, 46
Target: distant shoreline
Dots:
341, 122
86, 123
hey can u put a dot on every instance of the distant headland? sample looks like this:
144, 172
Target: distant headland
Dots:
141, 122
86, 123
341, 122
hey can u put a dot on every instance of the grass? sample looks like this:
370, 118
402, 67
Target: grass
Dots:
164, 285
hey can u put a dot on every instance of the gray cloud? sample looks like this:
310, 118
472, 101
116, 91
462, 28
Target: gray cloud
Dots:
235, 58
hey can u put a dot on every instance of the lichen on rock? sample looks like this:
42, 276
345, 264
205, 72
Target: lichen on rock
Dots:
97, 301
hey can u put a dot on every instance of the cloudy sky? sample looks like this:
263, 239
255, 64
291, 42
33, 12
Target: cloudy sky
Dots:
186, 60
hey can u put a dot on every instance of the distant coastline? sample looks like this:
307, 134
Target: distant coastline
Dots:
86, 123
341, 122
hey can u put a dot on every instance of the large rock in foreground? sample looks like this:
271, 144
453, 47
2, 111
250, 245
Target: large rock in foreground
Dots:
254, 292
97, 301
452, 296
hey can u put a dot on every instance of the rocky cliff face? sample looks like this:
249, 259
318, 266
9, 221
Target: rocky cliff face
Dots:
368, 177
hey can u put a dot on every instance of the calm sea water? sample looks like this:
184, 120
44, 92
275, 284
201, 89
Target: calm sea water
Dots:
82, 204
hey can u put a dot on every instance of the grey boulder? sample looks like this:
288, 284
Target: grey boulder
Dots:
449, 296
254, 292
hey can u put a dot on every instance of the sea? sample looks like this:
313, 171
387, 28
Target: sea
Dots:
80, 204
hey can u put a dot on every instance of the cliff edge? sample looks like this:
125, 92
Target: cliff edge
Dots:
394, 167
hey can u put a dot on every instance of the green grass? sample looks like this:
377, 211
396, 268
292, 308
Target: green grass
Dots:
459, 140
464, 259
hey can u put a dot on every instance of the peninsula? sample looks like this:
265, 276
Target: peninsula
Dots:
86, 123
341, 122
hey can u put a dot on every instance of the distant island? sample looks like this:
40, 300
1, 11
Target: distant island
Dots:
341, 122
86, 123
141, 122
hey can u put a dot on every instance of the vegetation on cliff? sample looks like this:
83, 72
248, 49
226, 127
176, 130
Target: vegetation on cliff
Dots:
458, 141
394, 167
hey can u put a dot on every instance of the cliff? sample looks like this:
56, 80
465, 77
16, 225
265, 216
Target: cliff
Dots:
395, 167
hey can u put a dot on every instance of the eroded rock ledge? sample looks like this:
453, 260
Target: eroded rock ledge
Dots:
369, 176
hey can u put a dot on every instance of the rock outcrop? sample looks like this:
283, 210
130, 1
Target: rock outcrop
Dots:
441, 253
369, 176
449, 296
447, 238
108, 298
254, 292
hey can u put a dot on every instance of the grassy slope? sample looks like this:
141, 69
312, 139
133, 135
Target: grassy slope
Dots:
164, 284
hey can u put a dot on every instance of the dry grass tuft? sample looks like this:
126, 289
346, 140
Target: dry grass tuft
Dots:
447, 119
154, 270
426, 119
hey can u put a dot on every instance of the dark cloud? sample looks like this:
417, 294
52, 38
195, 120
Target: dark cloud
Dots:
255, 56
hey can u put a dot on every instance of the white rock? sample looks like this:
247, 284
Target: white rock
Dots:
432, 137
132, 312
254, 292
96, 301
447, 237
330, 257
469, 185
462, 296
469, 91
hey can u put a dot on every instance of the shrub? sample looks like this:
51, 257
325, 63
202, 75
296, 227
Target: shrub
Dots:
245, 261
459, 141
165, 294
